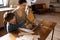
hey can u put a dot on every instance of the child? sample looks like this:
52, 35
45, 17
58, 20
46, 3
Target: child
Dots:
10, 22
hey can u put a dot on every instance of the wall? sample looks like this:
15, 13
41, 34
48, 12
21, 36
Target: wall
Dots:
43, 1
47, 2
38, 2
14, 1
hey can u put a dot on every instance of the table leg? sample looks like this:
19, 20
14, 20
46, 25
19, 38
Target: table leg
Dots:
53, 33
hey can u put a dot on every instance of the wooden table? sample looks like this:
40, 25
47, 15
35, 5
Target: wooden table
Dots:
43, 30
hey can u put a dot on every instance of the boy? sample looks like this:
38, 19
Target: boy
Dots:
10, 22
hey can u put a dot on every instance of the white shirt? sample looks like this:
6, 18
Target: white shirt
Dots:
7, 26
28, 37
6, 37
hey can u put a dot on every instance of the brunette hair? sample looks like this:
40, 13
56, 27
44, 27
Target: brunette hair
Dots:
9, 16
21, 1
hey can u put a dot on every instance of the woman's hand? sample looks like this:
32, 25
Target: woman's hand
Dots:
29, 26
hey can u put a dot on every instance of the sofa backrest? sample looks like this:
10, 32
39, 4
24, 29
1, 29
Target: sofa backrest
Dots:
38, 6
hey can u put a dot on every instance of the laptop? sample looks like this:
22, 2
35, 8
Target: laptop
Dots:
29, 30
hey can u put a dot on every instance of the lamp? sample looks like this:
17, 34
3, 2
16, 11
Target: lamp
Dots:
33, 1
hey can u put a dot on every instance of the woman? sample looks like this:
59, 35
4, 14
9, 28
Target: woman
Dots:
20, 14
21, 17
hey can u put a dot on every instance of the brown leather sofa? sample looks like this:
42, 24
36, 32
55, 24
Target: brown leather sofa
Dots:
39, 8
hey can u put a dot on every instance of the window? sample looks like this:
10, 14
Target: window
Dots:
1, 3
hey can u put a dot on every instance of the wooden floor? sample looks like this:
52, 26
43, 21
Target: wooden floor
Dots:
55, 17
